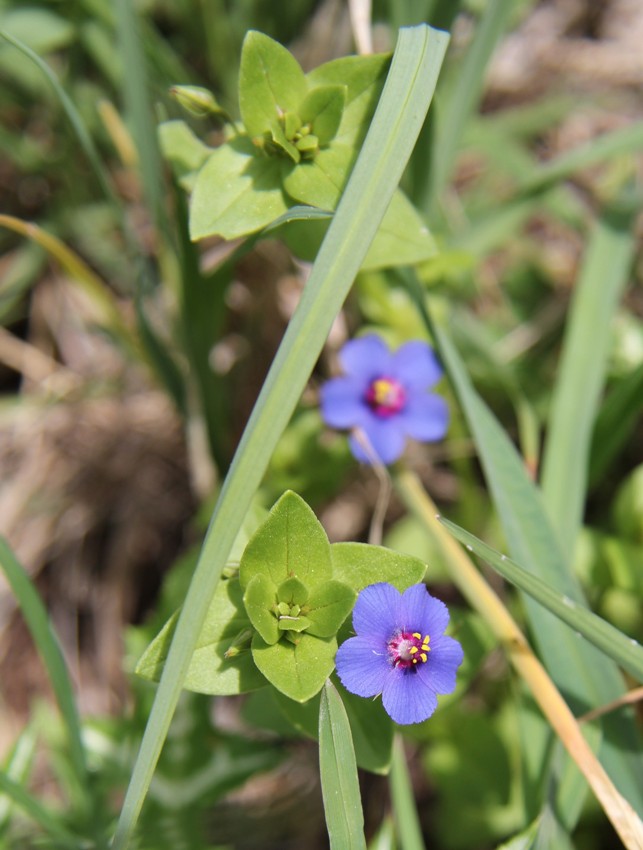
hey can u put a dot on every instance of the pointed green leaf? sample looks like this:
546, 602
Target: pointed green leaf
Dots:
320, 181
271, 83
338, 773
210, 672
237, 191
183, 150
329, 605
260, 599
403, 238
363, 77
291, 543
360, 564
297, 670
322, 108
293, 592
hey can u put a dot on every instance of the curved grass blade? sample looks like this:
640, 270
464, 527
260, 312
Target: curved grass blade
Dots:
603, 277
338, 772
47, 644
622, 649
394, 129
47, 820
72, 113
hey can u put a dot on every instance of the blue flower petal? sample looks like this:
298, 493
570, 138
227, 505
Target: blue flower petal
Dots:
407, 697
386, 439
362, 669
444, 659
366, 358
342, 403
374, 613
419, 611
425, 417
415, 365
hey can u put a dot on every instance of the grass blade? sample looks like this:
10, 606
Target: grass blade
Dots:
395, 126
338, 772
581, 373
48, 821
47, 644
406, 816
583, 674
624, 650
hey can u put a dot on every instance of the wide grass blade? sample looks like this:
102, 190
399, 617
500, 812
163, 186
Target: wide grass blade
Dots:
338, 773
585, 676
49, 649
407, 822
395, 126
581, 373
622, 649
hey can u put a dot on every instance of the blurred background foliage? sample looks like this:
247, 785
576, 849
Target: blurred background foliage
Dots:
130, 359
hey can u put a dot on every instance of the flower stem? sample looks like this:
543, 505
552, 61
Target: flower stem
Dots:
406, 816
484, 600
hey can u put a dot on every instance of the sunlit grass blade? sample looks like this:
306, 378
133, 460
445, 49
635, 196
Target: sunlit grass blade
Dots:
463, 98
407, 823
338, 773
47, 820
583, 361
394, 129
72, 113
622, 649
584, 675
16, 768
47, 644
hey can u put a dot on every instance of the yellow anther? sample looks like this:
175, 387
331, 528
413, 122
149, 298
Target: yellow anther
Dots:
382, 390
413, 650
422, 656
417, 635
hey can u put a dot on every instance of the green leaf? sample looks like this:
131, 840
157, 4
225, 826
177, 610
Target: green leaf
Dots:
210, 672
290, 543
360, 564
41, 30
403, 238
403, 799
260, 599
183, 150
293, 592
237, 191
338, 773
320, 181
322, 108
299, 669
624, 650
329, 605
363, 77
271, 83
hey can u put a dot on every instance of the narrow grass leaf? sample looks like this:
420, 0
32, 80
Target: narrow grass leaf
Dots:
583, 361
622, 649
46, 819
394, 129
338, 773
47, 644
585, 676
405, 812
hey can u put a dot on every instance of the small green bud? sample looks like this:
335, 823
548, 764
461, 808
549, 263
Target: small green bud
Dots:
198, 101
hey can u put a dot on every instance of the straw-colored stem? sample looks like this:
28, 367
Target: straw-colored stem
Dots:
483, 599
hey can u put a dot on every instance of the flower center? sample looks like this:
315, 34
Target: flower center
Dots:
406, 649
385, 396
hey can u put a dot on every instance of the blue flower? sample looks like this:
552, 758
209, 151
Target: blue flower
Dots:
400, 650
384, 396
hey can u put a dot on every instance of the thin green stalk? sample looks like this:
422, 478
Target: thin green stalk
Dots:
395, 126
405, 812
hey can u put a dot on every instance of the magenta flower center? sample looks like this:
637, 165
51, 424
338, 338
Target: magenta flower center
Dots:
385, 396
406, 649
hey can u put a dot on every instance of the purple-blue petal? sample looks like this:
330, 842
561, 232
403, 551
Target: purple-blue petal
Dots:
374, 612
342, 404
366, 358
415, 365
421, 612
424, 417
440, 669
407, 698
385, 438
362, 668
